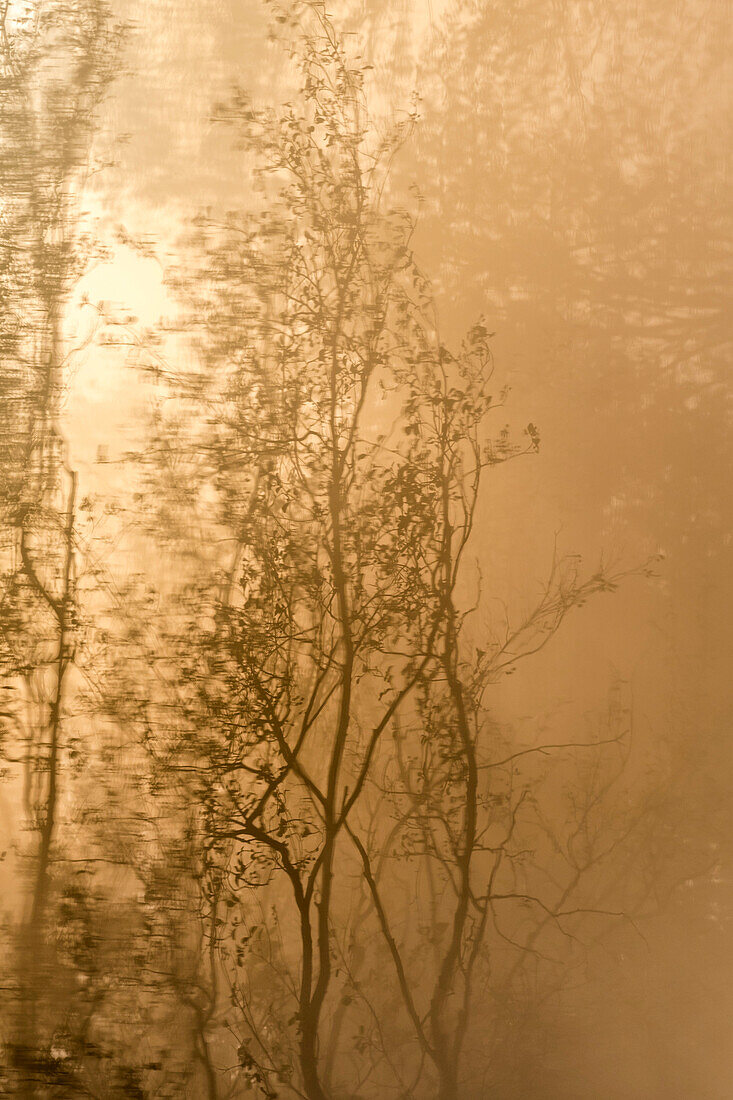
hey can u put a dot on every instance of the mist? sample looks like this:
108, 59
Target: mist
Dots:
365, 562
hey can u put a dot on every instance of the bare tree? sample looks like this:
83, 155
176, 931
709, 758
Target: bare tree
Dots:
316, 665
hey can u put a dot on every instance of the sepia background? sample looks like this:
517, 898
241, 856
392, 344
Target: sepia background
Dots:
568, 167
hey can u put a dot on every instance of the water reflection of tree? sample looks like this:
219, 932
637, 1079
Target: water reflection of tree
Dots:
55, 63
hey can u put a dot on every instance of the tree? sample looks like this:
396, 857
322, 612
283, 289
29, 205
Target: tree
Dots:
316, 666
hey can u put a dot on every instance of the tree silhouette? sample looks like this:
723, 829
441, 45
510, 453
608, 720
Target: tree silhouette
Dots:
319, 469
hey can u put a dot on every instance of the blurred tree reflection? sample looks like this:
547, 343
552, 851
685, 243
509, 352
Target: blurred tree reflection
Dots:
55, 62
